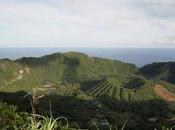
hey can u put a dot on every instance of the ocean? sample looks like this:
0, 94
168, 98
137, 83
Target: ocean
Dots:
138, 56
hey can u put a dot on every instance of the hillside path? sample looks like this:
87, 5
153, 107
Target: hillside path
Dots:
164, 93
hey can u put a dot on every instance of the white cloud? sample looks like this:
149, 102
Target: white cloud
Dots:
87, 23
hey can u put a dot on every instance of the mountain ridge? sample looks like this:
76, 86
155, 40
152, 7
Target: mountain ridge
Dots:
159, 70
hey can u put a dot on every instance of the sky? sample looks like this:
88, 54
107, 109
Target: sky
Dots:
87, 23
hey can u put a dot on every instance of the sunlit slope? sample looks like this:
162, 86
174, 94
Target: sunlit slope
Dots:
126, 88
58, 68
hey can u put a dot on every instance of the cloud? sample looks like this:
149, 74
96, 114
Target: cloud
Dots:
141, 23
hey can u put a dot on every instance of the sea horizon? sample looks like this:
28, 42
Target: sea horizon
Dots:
136, 55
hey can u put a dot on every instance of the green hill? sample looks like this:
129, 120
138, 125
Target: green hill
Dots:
162, 71
83, 88
75, 73
59, 68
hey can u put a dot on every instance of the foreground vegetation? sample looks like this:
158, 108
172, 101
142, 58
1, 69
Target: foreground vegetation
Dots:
11, 119
83, 113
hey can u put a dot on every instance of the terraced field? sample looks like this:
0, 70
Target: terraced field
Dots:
104, 88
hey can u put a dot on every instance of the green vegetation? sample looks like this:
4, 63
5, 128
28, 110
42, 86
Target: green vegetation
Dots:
9, 117
160, 71
85, 90
12, 120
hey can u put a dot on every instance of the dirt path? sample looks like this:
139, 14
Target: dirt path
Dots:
18, 76
164, 93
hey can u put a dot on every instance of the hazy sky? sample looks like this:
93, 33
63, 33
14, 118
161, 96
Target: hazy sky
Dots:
99, 23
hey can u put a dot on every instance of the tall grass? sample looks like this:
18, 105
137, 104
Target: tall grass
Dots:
38, 122
165, 128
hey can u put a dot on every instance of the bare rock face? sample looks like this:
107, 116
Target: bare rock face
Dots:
2, 67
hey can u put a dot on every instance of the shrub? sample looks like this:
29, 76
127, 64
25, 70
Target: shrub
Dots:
10, 117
